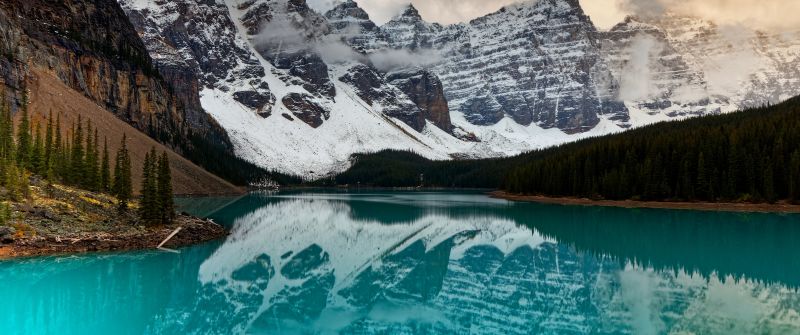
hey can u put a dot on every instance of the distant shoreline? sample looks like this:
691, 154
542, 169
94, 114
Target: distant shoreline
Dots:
699, 206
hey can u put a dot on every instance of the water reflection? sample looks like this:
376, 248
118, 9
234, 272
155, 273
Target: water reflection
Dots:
419, 263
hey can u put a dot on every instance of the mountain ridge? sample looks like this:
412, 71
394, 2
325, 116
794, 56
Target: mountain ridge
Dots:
528, 76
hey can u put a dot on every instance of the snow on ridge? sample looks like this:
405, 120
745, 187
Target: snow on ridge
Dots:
504, 76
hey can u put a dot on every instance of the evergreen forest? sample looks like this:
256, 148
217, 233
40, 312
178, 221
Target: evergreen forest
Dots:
748, 156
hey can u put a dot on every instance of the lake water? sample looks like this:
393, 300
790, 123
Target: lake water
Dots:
426, 263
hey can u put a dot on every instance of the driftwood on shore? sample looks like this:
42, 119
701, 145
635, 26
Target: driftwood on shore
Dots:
185, 231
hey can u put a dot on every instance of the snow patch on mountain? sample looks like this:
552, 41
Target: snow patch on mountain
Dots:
300, 92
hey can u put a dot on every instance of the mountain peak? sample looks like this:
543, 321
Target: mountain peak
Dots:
347, 9
411, 12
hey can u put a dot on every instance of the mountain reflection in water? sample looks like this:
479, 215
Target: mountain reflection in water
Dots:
443, 263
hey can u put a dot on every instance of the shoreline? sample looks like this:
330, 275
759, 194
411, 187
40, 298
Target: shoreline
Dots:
780, 208
193, 231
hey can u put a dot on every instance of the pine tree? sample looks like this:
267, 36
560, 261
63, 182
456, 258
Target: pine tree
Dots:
24, 140
166, 201
769, 182
92, 168
703, 182
37, 154
794, 177
148, 207
105, 173
12, 182
6, 131
76, 160
6, 140
47, 157
123, 188
59, 164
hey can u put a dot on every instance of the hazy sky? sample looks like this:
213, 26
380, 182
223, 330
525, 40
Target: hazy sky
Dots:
762, 14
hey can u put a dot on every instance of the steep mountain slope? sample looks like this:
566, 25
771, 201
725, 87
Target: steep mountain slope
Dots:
93, 48
48, 94
300, 92
534, 63
324, 108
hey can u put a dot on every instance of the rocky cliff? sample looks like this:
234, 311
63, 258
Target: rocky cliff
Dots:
93, 48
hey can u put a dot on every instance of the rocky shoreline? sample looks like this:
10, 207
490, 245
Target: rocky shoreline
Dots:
193, 231
699, 206
58, 220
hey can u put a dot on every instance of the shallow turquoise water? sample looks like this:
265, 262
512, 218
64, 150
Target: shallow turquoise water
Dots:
426, 263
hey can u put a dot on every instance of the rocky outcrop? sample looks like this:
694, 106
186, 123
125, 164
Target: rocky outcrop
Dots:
371, 87
285, 32
306, 109
427, 92
353, 25
410, 31
219, 60
7, 234
514, 64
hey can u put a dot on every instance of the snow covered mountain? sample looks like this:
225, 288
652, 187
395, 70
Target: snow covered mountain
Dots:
300, 91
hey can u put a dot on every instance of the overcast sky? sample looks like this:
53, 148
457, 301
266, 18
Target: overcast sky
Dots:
762, 14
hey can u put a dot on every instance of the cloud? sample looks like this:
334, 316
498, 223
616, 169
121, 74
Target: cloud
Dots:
764, 15
759, 14
441, 11
637, 78
388, 60
282, 35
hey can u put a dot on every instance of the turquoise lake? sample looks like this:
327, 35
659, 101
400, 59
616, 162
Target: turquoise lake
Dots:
426, 263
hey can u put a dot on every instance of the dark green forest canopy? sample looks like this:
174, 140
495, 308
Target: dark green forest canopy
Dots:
750, 156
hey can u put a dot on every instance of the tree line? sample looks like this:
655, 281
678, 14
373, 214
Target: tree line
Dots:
748, 156
76, 158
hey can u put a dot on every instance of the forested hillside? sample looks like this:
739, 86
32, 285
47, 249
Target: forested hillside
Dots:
750, 156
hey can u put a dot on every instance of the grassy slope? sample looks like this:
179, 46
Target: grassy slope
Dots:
48, 94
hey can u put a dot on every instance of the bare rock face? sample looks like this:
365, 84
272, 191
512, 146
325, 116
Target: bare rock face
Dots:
512, 64
308, 70
304, 108
426, 91
354, 26
217, 60
93, 48
410, 31
371, 87
284, 33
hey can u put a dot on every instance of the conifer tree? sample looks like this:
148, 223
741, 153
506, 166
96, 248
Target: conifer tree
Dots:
92, 169
148, 207
76, 175
6, 131
794, 177
59, 163
12, 182
37, 155
47, 155
24, 140
123, 188
166, 201
105, 173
